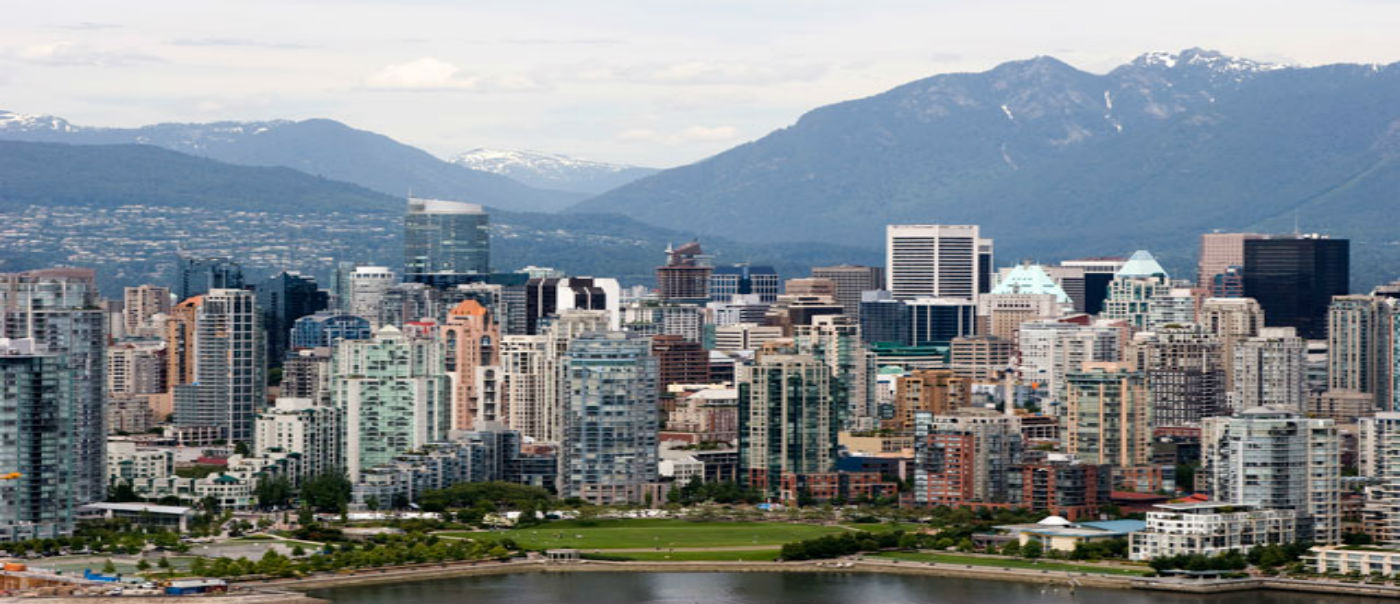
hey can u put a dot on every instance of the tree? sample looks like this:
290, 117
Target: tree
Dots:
242, 448
372, 502
1032, 550
108, 567
142, 565
327, 492
163, 563
123, 493
274, 492
1012, 548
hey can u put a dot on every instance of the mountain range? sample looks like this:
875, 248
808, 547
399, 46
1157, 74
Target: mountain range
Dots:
319, 147
552, 170
1056, 162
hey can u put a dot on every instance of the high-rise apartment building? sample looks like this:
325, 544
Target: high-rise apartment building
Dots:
1294, 279
1359, 347
1137, 287
1185, 378
933, 260
1277, 459
679, 361
1107, 415
472, 343
935, 391
141, 303
964, 456
392, 395
610, 440
38, 434
322, 329
851, 281
686, 275
230, 375
1049, 350
788, 419
1268, 369
367, 286
445, 237
1379, 459
57, 308
196, 275
305, 427
1219, 252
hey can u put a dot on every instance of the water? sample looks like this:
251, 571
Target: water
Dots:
772, 588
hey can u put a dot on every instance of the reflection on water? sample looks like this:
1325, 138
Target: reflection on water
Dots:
771, 588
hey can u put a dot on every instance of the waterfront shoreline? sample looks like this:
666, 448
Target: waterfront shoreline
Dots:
958, 571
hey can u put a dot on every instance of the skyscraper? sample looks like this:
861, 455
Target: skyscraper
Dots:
964, 456
1294, 279
933, 260
1107, 417
284, 298
368, 285
610, 444
729, 281
230, 373
472, 343
140, 303
1359, 346
1097, 273
851, 281
57, 308
38, 433
1267, 369
936, 321
445, 237
1219, 252
686, 275
196, 275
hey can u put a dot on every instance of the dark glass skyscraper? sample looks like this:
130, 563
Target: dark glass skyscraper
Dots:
195, 276
445, 237
1294, 279
284, 298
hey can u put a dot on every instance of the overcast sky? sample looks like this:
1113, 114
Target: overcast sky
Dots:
653, 82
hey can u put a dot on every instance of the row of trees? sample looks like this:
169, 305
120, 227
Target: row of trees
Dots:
845, 544
384, 551
119, 538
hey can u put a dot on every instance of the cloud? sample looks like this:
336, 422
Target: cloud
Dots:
731, 73
692, 134
87, 26
426, 73
236, 42
431, 74
71, 54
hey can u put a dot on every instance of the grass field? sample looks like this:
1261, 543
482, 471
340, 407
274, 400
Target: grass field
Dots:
766, 555
628, 534
947, 558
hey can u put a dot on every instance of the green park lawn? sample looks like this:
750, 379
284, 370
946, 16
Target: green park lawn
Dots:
766, 555
665, 534
950, 558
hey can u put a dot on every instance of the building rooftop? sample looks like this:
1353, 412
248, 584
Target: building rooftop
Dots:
1031, 279
1142, 264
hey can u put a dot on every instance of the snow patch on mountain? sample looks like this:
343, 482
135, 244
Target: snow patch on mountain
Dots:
10, 120
551, 170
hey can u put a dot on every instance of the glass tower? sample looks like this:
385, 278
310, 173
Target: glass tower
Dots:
445, 237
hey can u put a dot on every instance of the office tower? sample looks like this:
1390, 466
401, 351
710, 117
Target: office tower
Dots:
1294, 279
1219, 252
1097, 274
686, 275
141, 303
230, 375
741, 308
936, 321
367, 287
935, 391
1228, 284
610, 444
322, 329
1051, 349
740, 279
745, 336
1267, 369
884, 319
284, 298
986, 265
392, 395
305, 427
788, 419
445, 237
851, 281
1135, 288
307, 374
472, 342
404, 303
1359, 348
1107, 412
196, 275
981, 358
57, 308
964, 456
1185, 378
548, 298
38, 433
679, 361
1071, 281
812, 286
933, 260
1277, 459
792, 311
